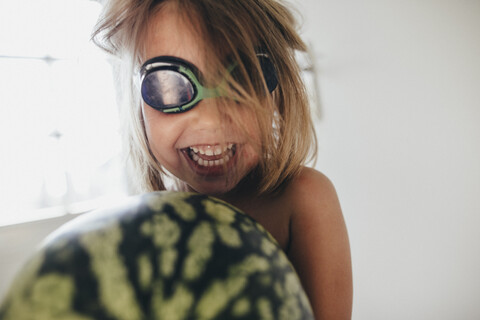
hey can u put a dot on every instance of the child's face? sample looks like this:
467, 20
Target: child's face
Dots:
183, 143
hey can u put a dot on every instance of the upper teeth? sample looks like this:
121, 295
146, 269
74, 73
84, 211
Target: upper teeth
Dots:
211, 155
211, 150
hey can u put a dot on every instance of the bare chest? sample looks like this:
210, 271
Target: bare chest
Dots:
273, 216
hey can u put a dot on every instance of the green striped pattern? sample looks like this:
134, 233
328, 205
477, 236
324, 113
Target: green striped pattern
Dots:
162, 255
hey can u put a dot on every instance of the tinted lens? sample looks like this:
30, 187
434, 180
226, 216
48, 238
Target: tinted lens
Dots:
163, 89
268, 70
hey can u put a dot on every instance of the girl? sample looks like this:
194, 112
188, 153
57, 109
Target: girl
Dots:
211, 96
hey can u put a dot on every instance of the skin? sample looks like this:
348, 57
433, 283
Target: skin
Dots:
305, 218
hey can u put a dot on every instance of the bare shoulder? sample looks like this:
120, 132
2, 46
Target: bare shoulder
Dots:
311, 187
319, 248
314, 205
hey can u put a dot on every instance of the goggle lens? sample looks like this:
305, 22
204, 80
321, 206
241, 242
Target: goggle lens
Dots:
164, 89
268, 70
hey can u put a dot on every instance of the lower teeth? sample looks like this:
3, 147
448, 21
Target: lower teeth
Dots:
211, 163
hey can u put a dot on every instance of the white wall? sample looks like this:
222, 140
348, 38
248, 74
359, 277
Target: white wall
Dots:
17, 244
400, 138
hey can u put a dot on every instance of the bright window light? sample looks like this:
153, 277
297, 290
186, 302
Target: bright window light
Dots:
59, 136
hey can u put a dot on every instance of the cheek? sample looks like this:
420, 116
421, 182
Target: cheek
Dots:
157, 123
148, 121
249, 127
251, 156
159, 130
245, 120
254, 145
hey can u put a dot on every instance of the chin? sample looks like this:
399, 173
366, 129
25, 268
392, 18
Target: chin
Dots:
214, 187
213, 190
221, 185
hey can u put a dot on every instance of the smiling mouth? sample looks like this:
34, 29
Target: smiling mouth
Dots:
209, 156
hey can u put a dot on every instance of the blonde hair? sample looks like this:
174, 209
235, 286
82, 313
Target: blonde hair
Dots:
240, 27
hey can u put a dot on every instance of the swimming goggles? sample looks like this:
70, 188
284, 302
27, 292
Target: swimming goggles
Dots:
172, 85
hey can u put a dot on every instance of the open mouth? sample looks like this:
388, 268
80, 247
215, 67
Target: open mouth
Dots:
211, 159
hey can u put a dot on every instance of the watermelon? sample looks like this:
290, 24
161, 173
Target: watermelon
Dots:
161, 255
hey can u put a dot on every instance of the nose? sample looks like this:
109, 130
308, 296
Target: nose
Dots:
206, 115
